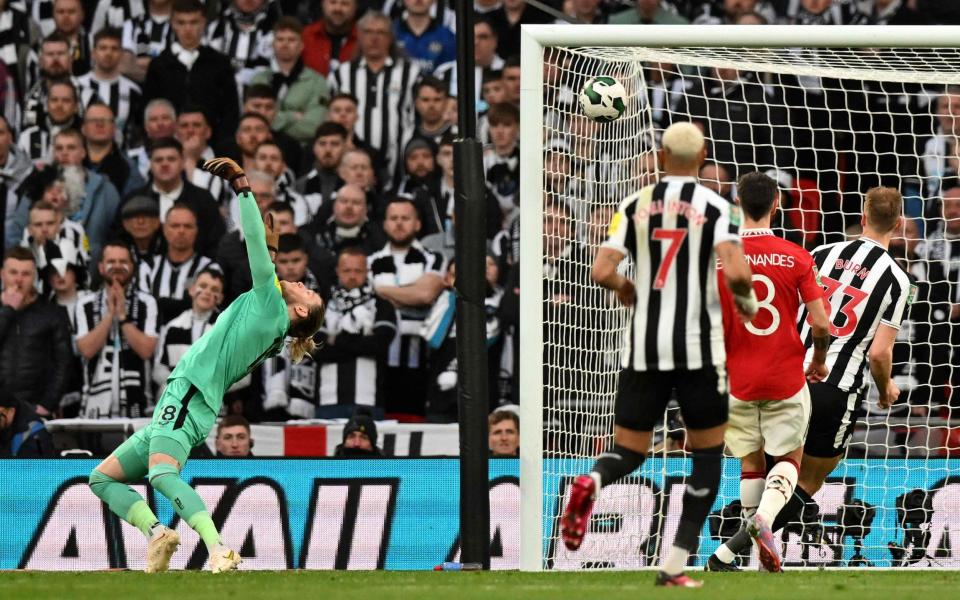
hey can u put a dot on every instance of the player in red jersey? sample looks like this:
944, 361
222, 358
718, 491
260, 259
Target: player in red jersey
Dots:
769, 399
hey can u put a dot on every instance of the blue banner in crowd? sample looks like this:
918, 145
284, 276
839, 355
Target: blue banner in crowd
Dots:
403, 514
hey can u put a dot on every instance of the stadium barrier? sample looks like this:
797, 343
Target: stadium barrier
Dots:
307, 438
403, 514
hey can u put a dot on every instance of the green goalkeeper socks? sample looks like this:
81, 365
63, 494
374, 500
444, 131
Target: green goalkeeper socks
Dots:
166, 479
203, 525
123, 501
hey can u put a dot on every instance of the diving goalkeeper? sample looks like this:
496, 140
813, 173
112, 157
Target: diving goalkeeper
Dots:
249, 331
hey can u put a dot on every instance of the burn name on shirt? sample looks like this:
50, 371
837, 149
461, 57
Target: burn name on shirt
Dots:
848, 265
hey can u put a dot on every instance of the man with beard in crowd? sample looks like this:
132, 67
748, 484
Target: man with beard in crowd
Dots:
349, 225
359, 437
319, 184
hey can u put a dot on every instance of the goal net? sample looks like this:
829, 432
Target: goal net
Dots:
827, 123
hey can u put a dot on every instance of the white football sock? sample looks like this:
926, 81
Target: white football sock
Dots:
751, 490
598, 482
780, 484
676, 561
725, 554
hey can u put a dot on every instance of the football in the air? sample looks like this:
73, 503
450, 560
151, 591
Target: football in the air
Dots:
603, 99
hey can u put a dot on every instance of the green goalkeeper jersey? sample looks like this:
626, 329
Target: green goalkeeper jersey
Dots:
249, 331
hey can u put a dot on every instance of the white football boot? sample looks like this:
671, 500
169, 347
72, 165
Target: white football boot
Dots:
163, 543
223, 559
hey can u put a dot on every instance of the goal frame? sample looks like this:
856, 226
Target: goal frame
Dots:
534, 39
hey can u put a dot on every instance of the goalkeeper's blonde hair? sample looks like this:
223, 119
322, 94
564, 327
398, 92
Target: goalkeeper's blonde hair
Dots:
303, 331
683, 141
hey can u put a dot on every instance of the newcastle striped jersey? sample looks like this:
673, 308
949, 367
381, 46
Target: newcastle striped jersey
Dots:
115, 381
147, 36
37, 143
114, 13
400, 268
386, 116
351, 370
176, 337
864, 288
168, 282
41, 11
246, 41
14, 35
670, 230
122, 95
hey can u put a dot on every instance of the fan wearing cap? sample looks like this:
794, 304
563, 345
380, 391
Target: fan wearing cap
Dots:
421, 181
34, 337
22, 432
140, 220
359, 437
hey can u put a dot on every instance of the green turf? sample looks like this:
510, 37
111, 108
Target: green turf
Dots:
377, 585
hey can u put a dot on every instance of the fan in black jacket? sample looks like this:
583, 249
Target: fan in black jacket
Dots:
207, 82
34, 338
166, 172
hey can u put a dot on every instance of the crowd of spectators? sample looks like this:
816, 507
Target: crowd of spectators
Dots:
120, 251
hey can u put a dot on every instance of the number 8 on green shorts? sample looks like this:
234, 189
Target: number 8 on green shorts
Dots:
181, 420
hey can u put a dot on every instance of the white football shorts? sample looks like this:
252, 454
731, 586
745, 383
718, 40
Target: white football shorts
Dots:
776, 426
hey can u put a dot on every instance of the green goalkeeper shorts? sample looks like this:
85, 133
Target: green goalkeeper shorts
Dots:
181, 420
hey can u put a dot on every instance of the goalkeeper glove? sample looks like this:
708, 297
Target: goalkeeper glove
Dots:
225, 168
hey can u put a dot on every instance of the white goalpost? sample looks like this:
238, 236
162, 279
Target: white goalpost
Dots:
827, 111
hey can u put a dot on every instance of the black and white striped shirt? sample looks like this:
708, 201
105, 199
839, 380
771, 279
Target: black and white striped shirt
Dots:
670, 230
122, 95
71, 233
37, 143
864, 287
447, 72
41, 12
147, 35
176, 337
289, 386
248, 46
168, 282
210, 182
115, 381
404, 268
141, 160
386, 114
316, 188
350, 371
14, 36
115, 13
35, 101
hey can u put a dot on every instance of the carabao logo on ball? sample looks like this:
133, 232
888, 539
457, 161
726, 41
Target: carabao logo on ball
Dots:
603, 99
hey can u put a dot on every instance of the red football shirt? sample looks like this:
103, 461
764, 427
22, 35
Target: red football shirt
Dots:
765, 356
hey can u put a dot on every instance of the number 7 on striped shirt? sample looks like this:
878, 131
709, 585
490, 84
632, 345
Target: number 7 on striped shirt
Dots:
675, 237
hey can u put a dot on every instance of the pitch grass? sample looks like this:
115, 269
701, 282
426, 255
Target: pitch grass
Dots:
377, 585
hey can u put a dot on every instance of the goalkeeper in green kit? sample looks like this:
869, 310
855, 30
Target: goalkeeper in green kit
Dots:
251, 330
